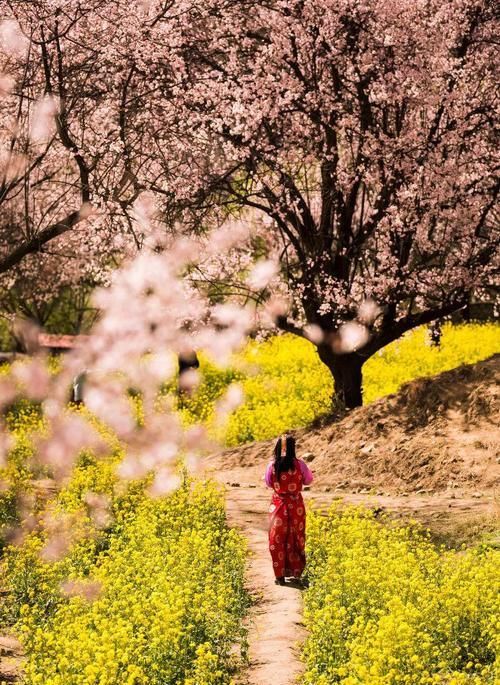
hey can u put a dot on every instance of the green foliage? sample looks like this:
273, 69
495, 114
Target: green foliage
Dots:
68, 311
6, 339
386, 607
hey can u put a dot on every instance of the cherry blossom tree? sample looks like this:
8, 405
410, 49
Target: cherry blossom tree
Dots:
79, 132
61, 206
158, 317
365, 132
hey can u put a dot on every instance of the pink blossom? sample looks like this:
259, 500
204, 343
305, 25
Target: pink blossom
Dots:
351, 336
314, 333
88, 589
34, 376
368, 311
164, 483
12, 39
43, 124
262, 273
231, 400
6, 444
189, 380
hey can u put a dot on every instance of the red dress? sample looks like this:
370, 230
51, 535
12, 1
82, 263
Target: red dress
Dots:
287, 523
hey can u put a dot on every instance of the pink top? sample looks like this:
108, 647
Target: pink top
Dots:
307, 475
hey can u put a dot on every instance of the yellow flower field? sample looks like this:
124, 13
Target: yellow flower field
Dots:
286, 385
151, 593
168, 607
385, 606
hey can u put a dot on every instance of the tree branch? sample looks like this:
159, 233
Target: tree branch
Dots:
36, 243
285, 325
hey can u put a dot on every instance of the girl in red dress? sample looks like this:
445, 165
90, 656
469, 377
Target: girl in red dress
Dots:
287, 515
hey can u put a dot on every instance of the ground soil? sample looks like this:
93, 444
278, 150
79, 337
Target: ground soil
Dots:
10, 659
436, 434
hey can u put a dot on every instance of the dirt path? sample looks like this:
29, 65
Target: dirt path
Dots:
10, 656
275, 620
275, 624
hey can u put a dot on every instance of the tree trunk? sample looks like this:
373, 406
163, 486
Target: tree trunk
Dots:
435, 333
347, 376
187, 361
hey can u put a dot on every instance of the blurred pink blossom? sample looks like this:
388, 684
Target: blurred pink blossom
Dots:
6, 444
189, 380
34, 376
368, 311
231, 400
99, 505
12, 39
107, 401
351, 336
262, 273
314, 333
43, 123
164, 483
88, 589
6, 84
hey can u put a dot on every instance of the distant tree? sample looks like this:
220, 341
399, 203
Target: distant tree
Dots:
366, 132
68, 311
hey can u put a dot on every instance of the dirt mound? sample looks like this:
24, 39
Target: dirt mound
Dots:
435, 434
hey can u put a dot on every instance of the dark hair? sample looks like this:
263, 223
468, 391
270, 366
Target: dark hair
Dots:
287, 463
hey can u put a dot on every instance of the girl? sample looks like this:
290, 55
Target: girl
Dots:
287, 514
